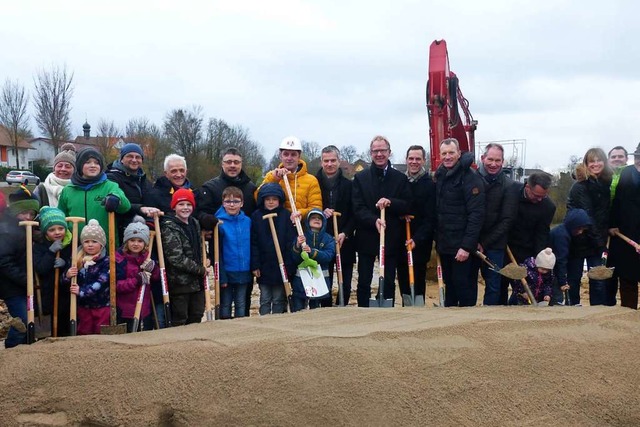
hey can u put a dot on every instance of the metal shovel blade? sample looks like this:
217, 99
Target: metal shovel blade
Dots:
380, 301
113, 330
407, 300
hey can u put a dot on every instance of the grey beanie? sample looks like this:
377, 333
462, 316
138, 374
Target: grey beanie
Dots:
138, 229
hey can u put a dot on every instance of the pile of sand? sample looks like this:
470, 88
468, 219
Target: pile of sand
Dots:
483, 365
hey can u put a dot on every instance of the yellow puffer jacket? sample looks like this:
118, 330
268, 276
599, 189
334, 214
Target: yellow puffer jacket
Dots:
304, 187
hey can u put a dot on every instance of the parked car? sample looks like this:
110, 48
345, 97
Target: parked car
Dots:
22, 177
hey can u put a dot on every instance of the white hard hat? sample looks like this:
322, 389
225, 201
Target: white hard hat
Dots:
291, 143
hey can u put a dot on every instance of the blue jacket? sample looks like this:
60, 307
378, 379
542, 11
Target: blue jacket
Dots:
560, 240
235, 247
263, 251
323, 246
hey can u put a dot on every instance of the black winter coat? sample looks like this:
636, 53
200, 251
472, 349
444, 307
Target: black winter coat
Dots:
13, 258
137, 189
460, 204
594, 196
263, 251
163, 192
209, 198
367, 190
625, 215
423, 208
339, 197
43, 265
501, 201
530, 231
561, 240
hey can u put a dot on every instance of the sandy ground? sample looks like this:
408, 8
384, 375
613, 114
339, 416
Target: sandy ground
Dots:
344, 366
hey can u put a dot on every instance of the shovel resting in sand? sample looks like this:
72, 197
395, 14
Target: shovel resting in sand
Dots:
113, 328
380, 301
413, 299
511, 271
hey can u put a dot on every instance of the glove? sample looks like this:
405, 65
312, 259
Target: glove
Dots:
56, 246
309, 263
145, 278
59, 263
208, 222
111, 202
148, 265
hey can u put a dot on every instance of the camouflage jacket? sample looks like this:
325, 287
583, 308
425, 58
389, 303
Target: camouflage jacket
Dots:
182, 255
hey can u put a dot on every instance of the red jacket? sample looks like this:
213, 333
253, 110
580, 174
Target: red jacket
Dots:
128, 284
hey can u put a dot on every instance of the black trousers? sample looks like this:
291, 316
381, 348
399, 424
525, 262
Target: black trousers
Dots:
365, 275
461, 281
420, 260
187, 308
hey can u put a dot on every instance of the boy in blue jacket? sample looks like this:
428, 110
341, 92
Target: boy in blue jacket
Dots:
320, 247
235, 254
264, 260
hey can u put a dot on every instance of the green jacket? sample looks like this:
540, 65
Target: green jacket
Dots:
75, 201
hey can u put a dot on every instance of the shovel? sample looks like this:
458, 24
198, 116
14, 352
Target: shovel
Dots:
208, 310
113, 328
73, 306
380, 301
440, 281
411, 300
276, 243
31, 329
312, 279
527, 289
511, 271
338, 260
601, 272
143, 288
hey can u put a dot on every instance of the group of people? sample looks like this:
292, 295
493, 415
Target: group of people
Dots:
269, 232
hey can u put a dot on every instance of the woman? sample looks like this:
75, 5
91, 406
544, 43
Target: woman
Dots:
49, 190
591, 192
625, 218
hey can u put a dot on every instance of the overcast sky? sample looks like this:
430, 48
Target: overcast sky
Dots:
562, 75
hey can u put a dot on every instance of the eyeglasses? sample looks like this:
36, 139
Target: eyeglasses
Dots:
381, 151
232, 202
232, 162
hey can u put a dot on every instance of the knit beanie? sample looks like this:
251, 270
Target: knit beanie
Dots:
138, 229
49, 217
93, 231
67, 154
546, 259
270, 189
131, 147
182, 195
23, 200
83, 157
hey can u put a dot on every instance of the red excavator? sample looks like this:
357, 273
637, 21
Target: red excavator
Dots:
444, 99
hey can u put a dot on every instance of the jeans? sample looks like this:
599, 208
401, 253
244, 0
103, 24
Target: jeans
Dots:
598, 291
236, 294
272, 299
461, 282
492, 280
17, 308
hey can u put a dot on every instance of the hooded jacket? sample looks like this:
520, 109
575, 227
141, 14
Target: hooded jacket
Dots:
182, 254
560, 239
460, 206
323, 246
129, 282
235, 247
304, 188
263, 252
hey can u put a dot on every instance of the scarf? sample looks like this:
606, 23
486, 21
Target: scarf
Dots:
416, 177
87, 183
53, 186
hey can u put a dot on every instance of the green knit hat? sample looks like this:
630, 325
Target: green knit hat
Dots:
49, 217
22, 201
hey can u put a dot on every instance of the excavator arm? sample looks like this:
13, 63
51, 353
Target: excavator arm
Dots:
444, 101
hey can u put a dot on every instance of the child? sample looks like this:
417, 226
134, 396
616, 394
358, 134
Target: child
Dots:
264, 260
183, 260
134, 270
91, 194
55, 239
235, 250
23, 206
539, 278
92, 287
320, 247
570, 241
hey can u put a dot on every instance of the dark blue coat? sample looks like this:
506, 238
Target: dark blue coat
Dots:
560, 240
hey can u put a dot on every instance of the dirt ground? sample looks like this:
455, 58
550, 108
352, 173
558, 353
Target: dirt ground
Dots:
523, 366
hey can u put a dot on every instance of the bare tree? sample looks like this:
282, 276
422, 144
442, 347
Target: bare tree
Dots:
183, 129
52, 98
349, 153
107, 138
154, 146
13, 113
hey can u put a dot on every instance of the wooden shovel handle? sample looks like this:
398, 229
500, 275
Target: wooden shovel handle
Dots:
527, 289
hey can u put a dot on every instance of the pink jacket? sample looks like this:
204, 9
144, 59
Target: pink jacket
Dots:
128, 284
